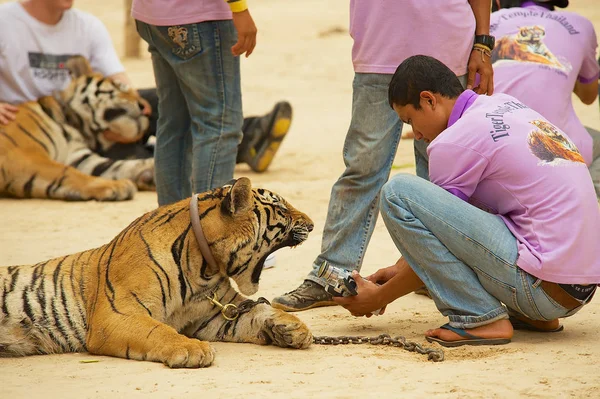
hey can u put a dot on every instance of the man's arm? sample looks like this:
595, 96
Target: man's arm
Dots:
479, 62
587, 92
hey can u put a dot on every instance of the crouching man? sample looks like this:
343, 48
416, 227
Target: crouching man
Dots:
508, 226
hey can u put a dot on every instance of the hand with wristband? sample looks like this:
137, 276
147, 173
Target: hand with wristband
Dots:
246, 29
480, 63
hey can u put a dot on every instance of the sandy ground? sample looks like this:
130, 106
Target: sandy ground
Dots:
303, 55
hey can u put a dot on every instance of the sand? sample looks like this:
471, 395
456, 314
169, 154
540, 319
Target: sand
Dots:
303, 55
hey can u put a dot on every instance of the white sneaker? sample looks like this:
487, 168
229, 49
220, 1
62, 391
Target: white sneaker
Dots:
270, 261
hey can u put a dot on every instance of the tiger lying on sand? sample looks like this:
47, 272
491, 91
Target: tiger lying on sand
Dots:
48, 150
144, 295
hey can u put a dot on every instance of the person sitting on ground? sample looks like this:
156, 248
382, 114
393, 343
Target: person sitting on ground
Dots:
507, 226
540, 47
38, 36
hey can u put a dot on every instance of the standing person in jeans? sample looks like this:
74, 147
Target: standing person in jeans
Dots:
538, 46
532, 255
444, 28
195, 48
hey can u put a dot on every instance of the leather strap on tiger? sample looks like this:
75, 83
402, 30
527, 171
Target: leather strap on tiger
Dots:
200, 237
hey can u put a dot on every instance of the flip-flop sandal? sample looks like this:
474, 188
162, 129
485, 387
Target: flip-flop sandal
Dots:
519, 324
279, 124
470, 338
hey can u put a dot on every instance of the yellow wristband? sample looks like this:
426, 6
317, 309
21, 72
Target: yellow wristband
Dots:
482, 47
237, 5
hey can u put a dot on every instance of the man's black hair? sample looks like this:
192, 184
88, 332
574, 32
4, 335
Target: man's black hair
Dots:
422, 73
497, 4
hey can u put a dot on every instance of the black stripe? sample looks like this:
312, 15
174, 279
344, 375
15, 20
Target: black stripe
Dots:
33, 138
28, 187
153, 259
78, 303
103, 167
141, 303
45, 131
67, 312
176, 251
79, 160
2, 133
111, 294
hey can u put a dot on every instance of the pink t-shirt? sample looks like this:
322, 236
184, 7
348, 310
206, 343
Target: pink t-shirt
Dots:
179, 12
386, 32
508, 159
538, 57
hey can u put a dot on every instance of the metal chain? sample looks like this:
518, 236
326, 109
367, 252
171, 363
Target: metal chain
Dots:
436, 355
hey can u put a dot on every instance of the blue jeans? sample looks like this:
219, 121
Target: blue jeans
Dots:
465, 256
369, 151
199, 106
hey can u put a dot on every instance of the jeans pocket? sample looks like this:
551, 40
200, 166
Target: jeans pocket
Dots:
505, 293
183, 40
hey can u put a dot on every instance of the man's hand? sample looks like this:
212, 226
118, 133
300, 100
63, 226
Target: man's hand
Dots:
8, 113
384, 274
246, 31
367, 300
481, 64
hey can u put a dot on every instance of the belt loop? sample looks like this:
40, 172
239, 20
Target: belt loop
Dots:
536, 283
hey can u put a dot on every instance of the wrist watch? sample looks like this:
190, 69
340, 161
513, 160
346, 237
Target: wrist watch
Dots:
486, 40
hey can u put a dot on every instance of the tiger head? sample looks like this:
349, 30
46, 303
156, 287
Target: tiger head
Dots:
532, 35
245, 226
95, 104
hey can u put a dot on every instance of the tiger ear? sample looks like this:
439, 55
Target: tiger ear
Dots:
239, 199
78, 66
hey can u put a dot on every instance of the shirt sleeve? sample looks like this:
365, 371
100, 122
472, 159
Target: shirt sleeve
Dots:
456, 169
103, 57
590, 71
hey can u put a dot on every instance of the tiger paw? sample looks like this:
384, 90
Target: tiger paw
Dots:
145, 180
112, 190
191, 354
286, 330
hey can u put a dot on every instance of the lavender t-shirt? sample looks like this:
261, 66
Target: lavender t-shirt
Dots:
538, 57
179, 12
386, 32
499, 153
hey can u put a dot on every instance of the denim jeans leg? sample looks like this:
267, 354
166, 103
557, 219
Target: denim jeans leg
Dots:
595, 166
212, 88
420, 147
466, 257
171, 155
369, 151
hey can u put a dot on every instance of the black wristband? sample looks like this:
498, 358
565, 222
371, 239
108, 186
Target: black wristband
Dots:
486, 40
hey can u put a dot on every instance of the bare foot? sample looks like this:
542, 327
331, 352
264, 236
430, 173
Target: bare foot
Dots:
542, 325
497, 329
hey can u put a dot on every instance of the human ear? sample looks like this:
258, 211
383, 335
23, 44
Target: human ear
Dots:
428, 99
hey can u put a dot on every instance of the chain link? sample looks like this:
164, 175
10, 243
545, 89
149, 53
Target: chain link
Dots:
436, 355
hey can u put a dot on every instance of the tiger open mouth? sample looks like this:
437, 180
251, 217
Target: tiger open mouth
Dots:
297, 236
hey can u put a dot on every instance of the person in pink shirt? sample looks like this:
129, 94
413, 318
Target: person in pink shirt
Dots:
540, 47
386, 32
508, 226
195, 48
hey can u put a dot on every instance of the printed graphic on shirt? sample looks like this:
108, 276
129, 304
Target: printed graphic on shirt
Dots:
550, 146
49, 66
527, 45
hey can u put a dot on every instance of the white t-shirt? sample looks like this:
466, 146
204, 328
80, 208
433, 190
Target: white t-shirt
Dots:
33, 54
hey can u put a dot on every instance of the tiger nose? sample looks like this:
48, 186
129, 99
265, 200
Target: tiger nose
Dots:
310, 227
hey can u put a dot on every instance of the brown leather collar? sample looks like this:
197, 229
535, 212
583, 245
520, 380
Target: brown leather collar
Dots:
200, 237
